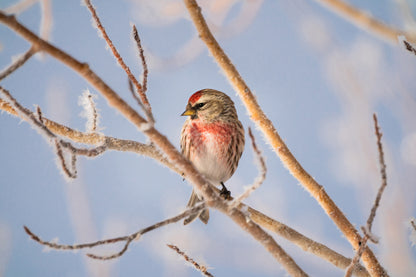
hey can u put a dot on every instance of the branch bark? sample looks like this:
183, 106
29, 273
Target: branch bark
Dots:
261, 219
280, 148
114, 100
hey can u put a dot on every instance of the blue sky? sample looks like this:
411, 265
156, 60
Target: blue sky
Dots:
317, 77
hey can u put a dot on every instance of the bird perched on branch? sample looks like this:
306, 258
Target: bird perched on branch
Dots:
212, 139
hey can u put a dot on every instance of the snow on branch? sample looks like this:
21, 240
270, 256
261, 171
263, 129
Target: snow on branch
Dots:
197, 266
37, 122
86, 100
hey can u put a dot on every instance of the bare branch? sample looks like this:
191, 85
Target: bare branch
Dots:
20, 7
211, 197
46, 20
280, 148
142, 58
356, 259
64, 165
382, 173
198, 267
259, 180
39, 113
17, 63
37, 122
149, 150
365, 21
409, 47
97, 139
144, 103
83, 69
367, 229
303, 242
127, 239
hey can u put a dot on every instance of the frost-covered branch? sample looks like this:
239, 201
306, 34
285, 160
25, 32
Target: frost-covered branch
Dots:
266, 126
368, 235
86, 100
37, 122
365, 21
149, 150
17, 63
136, 38
211, 197
144, 102
126, 239
197, 266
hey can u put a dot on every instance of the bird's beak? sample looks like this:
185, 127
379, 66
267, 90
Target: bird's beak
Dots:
188, 111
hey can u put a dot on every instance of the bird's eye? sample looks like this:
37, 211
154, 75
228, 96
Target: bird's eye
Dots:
200, 105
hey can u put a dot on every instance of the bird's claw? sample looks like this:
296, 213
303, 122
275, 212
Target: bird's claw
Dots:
225, 193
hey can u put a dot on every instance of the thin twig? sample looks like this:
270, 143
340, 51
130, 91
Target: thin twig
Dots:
382, 173
97, 139
367, 229
142, 58
39, 113
59, 153
37, 122
365, 21
149, 150
17, 63
144, 103
46, 20
259, 180
211, 197
90, 111
409, 47
20, 7
279, 146
127, 239
198, 267
412, 222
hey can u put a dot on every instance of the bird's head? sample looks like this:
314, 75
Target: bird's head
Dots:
209, 105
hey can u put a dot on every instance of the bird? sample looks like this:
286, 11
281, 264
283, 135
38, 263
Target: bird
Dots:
212, 139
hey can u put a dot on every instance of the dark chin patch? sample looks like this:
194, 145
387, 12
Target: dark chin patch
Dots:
195, 116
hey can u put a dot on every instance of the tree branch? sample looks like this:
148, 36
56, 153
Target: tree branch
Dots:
17, 63
127, 239
212, 198
197, 266
367, 229
98, 139
365, 21
280, 148
144, 102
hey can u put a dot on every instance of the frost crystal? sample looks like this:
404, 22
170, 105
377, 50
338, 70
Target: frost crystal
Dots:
86, 100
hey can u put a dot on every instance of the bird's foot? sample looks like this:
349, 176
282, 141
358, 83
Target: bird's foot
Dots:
225, 193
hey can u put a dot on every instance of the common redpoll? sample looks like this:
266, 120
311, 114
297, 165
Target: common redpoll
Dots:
212, 139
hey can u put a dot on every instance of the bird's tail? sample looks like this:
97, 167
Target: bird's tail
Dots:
203, 214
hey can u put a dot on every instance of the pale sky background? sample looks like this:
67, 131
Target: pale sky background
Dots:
317, 77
